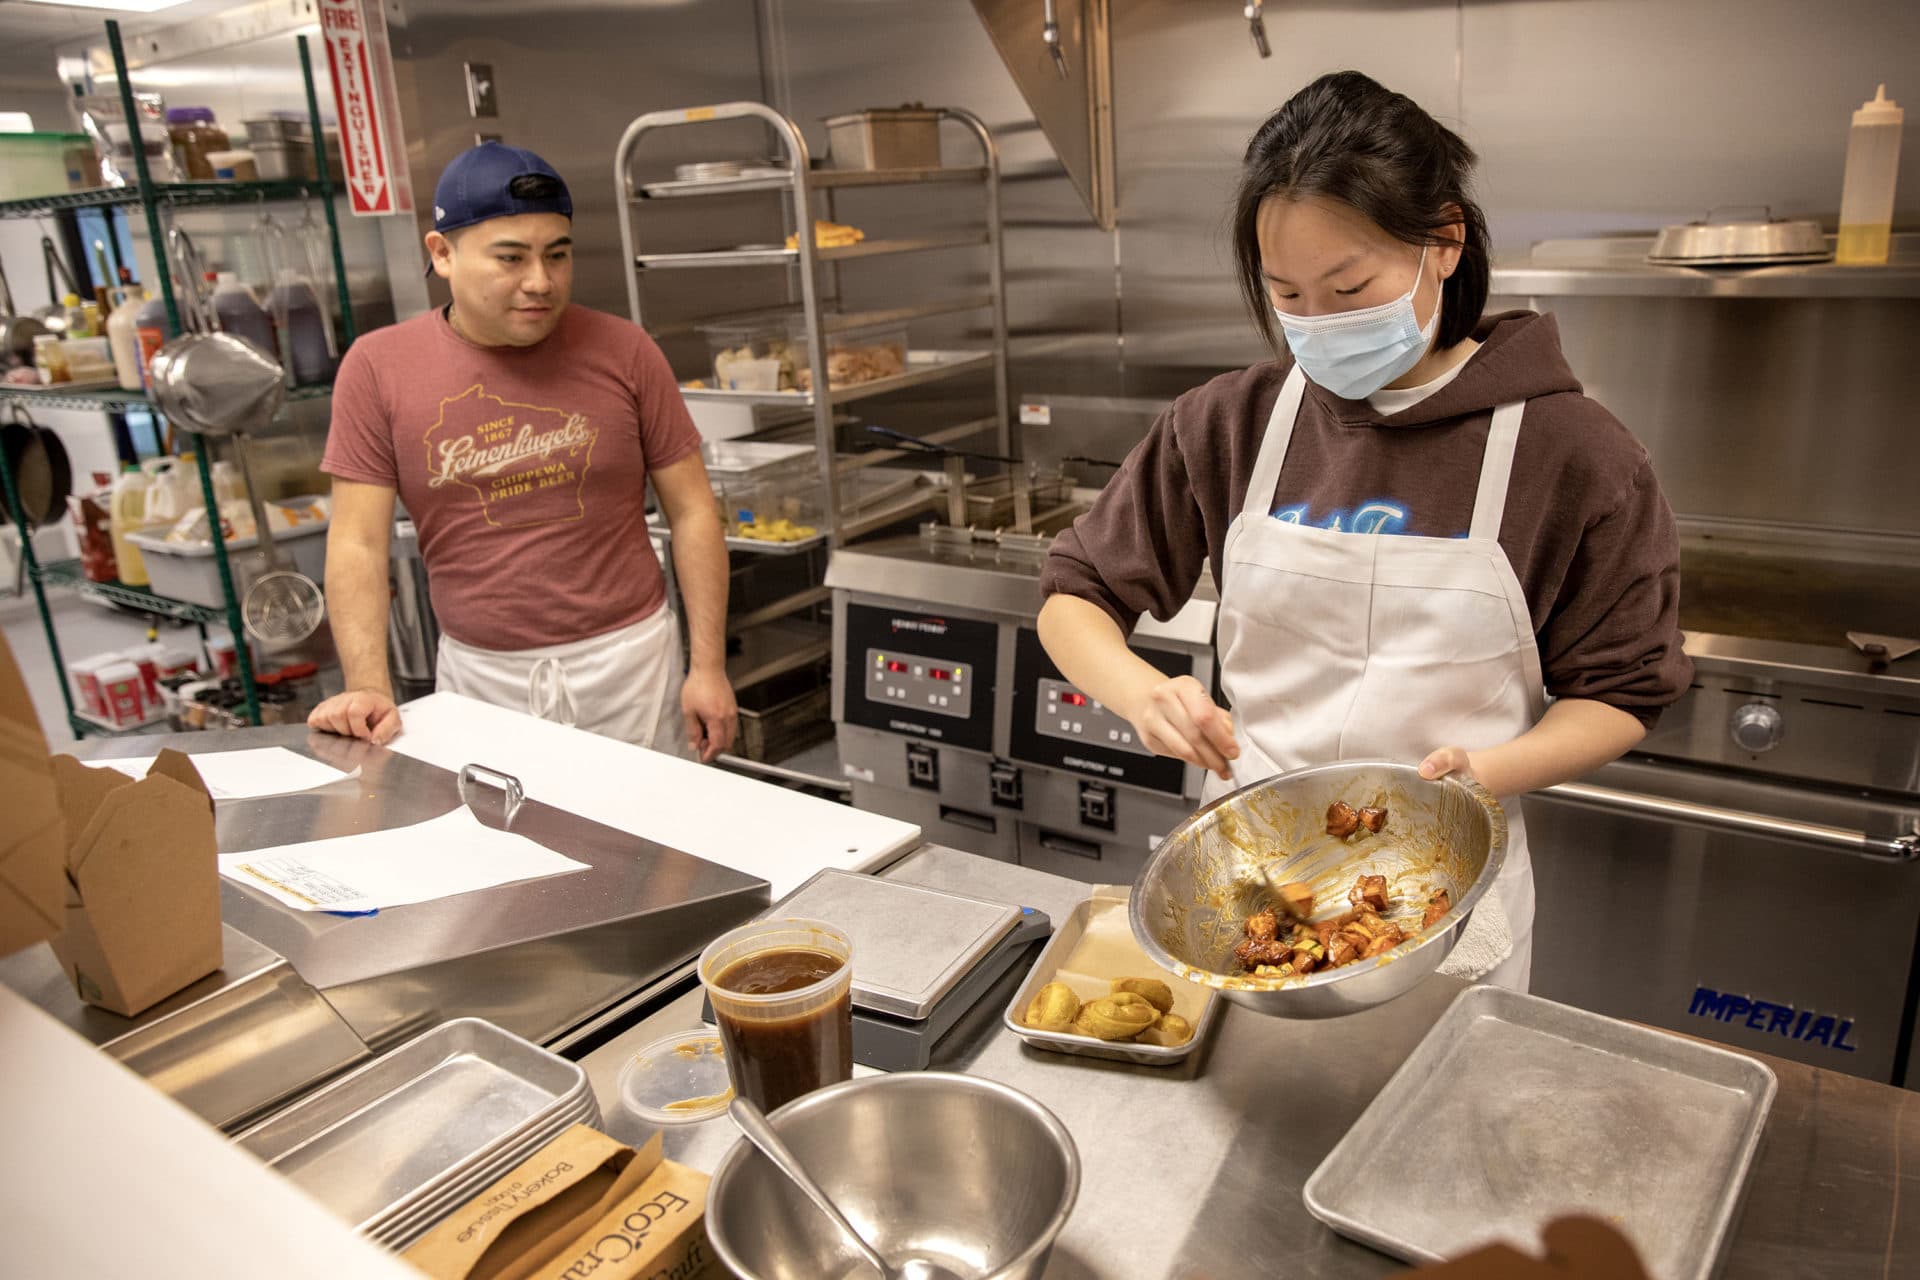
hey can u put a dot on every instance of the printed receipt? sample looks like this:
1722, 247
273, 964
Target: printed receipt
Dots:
452, 854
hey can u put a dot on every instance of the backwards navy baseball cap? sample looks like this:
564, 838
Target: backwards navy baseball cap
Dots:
494, 180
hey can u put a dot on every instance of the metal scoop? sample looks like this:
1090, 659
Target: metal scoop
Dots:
753, 1123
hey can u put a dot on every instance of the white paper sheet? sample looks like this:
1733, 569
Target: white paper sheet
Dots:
451, 854
244, 775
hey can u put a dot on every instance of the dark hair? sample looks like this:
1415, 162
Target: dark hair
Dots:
1351, 139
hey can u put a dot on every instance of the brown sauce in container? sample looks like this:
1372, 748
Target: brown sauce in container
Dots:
775, 1060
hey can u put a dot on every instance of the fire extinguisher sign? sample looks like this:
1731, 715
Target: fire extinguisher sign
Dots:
361, 63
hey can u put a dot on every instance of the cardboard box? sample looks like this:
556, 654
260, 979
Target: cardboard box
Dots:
583, 1205
33, 834
141, 914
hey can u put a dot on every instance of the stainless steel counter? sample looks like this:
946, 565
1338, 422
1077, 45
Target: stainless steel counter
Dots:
1196, 1172
241, 1040
542, 958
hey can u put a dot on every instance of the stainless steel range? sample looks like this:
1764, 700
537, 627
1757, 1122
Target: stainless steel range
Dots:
950, 715
1749, 873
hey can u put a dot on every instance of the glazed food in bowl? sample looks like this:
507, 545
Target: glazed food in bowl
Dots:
1439, 843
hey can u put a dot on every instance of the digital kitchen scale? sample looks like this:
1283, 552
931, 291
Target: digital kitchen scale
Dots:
921, 957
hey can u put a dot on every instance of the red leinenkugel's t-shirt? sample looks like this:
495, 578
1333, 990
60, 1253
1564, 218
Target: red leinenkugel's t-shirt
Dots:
524, 468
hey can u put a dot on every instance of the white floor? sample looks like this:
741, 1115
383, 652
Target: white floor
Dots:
83, 627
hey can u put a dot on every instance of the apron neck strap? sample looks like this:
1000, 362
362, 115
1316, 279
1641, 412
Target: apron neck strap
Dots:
1496, 471
1496, 464
1273, 445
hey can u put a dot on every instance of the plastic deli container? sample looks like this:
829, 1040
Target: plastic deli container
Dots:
751, 356
854, 356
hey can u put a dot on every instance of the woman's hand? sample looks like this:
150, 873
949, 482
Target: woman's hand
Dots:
1447, 760
1574, 737
1176, 718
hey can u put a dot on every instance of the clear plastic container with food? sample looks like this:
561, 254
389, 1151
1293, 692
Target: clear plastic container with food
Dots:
752, 356
783, 509
854, 356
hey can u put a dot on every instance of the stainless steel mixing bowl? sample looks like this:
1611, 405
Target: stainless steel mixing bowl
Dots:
1212, 872
959, 1171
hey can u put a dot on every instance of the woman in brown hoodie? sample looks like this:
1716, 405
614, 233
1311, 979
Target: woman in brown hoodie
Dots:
1514, 613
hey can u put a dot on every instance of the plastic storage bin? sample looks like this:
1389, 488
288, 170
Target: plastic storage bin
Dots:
751, 356
854, 356
35, 164
186, 570
765, 491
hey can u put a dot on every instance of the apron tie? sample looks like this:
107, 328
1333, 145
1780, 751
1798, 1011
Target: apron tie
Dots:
548, 696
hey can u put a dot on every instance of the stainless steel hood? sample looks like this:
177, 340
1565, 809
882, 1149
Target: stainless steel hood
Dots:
1060, 53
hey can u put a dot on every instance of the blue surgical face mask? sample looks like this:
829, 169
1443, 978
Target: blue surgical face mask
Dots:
1355, 353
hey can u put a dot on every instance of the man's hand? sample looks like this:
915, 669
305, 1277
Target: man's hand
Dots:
1447, 760
366, 713
712, 716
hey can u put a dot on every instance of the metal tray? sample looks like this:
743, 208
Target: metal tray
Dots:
1066, 936
402, 1230
416, 1120
1515, 1110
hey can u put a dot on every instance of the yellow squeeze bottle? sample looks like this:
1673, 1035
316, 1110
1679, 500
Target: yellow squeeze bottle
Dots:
1866, 197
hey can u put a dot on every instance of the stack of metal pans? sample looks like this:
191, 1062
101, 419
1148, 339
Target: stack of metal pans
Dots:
401, 1143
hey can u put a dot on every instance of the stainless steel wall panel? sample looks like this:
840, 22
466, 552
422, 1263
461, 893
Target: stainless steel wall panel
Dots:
1602, 115
1189, 92
571, 75
1795, 411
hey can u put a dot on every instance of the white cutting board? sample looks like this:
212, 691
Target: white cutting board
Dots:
781, 836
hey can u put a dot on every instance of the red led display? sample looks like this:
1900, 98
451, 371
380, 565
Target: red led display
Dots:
1074, 699
897, 666
939, 674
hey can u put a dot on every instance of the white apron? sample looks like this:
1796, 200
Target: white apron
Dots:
1342, 646
622, 684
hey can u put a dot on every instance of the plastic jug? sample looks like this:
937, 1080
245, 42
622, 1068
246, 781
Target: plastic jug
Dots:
174, 489
126, 512
228, 487
303, 331
235, 310
123, 339
1866, 196
151, 328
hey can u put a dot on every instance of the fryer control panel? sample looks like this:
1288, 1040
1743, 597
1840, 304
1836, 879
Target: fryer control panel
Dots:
922, 675
1062, 711
936, 686
1057, 726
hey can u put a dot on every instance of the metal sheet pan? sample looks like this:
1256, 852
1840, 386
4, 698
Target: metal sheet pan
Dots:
1515, 1110
426, 1116
400, 1230
1066, 936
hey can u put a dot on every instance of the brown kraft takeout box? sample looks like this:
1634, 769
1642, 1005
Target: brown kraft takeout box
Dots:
143, 883
33, 838
582, 1206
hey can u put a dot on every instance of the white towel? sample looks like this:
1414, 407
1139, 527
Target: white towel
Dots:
1485, 942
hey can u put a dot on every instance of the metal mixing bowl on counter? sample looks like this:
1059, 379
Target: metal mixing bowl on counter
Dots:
1218, 867
953, 1169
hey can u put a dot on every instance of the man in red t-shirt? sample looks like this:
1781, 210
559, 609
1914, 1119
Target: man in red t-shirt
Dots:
521, 433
